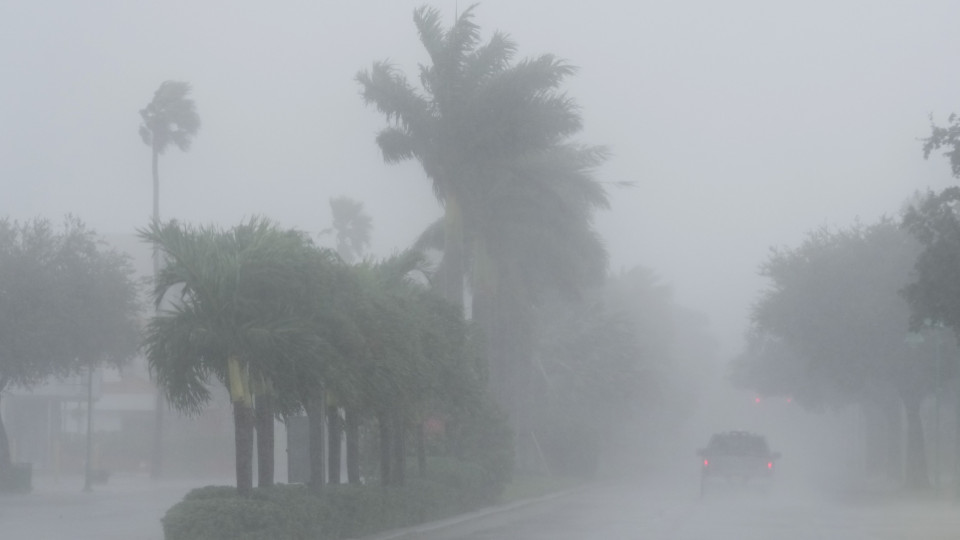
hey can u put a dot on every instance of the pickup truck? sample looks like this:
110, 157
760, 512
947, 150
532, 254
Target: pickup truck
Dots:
737, 456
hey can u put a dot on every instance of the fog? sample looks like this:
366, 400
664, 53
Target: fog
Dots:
733, 127
742, 125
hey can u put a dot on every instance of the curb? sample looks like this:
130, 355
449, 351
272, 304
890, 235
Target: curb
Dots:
417, 531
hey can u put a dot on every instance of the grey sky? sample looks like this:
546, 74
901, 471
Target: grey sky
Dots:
744, 124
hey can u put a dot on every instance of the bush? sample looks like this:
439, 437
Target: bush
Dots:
219, 513
292, 512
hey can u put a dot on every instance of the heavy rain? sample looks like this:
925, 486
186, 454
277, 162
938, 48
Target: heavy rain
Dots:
512, 270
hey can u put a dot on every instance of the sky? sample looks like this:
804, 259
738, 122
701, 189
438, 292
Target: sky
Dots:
742, 125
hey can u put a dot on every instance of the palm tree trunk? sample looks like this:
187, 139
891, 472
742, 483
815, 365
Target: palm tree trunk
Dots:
453, 268
916, 458
315, 422
352, 429
421, 449
243, 441
265, 440
6, 463
383, 422
334, 428
156, 457
399, 448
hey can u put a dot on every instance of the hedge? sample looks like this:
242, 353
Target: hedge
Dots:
292, 512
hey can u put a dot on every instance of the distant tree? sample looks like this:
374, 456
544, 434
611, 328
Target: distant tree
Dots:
67, 302
834, 305
170, 118
945, 137
352, 227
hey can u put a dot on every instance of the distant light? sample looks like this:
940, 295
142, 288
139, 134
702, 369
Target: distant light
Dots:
789, 400
769, 464
706, 463
756, 400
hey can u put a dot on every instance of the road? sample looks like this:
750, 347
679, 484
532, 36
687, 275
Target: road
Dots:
627, 513
123, 509
130, 509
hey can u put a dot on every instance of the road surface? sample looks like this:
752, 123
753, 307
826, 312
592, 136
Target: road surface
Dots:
130, 509
627, 513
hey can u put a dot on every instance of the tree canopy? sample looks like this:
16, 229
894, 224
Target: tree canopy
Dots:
67, 301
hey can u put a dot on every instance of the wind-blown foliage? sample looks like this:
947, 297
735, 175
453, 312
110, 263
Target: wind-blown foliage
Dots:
240, 310
493, 136
170, 118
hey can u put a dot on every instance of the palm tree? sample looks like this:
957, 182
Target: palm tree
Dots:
352, 227
477, 114
170, 118
235, 314
493, 136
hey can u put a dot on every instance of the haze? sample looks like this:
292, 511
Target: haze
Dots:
741, 124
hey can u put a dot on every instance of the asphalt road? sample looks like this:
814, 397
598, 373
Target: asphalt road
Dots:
131, 509
627, 513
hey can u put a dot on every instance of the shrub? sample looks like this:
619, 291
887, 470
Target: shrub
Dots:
292, 512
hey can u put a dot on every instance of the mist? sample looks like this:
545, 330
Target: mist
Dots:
731, 130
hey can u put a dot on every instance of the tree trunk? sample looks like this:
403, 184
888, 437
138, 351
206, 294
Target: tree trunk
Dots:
383, 421
453, 269
421, 450
156, 455
315, 422
399, 448
243, 442
334, 430
265, 440
88, 461
916, 458
5, 460
352, 428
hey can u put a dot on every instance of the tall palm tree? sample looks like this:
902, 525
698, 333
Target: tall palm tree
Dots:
493, 136
477, 113
170, 118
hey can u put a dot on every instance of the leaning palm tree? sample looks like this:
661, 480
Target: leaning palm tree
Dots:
170, 118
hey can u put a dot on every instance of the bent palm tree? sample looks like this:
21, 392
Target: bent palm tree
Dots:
170, 118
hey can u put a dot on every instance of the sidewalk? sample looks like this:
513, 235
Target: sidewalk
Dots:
127, 507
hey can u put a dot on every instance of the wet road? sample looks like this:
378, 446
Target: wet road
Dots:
123, 509
131, 511
627, 513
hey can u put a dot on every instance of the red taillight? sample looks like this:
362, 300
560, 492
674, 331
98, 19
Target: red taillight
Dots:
706, 463
769, 464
